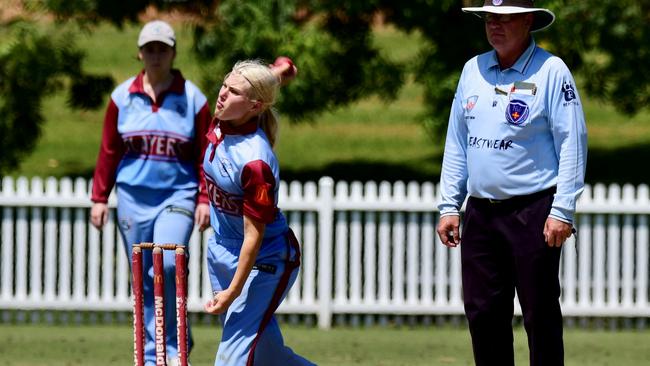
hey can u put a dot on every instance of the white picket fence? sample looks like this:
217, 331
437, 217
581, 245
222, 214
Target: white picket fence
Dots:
367, 249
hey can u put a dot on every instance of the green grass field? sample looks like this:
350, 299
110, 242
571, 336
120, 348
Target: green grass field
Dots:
370, 140
37, 345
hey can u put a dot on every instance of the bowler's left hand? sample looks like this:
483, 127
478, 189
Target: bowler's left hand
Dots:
556, 232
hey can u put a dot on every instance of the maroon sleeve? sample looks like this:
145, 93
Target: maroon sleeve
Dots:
259, 190
202, 124
111, 151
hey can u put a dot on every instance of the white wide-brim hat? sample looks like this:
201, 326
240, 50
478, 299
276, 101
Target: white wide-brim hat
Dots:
157, 31
543, 17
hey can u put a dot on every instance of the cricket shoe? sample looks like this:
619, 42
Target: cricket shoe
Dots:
175, 362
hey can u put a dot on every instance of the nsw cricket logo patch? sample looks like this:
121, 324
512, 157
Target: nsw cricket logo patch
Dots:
517, 112
471, 102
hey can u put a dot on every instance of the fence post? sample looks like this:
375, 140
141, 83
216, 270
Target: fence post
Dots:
8, 235
643, 199
325, 226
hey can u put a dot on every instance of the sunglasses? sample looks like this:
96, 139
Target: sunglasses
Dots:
499, 18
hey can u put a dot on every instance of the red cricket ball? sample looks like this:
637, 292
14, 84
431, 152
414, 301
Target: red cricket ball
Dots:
285, 60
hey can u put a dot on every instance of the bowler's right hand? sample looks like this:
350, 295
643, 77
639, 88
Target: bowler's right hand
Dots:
448, 230
99, 215
220, 302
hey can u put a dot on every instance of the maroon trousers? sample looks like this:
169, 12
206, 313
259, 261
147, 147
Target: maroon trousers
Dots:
503, 250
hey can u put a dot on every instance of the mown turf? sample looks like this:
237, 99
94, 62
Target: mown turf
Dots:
38, 345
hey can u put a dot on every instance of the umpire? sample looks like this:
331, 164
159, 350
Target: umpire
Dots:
517, 146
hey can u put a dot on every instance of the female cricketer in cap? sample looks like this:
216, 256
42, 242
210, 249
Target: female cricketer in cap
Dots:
152, 150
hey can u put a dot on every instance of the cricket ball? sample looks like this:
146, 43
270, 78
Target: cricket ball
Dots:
285, 60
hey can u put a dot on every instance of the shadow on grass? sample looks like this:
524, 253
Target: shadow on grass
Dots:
622, 165
70, 170
345, 171
361, 171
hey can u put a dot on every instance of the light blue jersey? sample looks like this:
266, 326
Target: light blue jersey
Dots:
153, 151
242, 175
242, 178
154, 145
161, 142
515, 132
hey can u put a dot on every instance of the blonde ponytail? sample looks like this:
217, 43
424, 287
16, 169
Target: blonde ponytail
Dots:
268, 121
264, 88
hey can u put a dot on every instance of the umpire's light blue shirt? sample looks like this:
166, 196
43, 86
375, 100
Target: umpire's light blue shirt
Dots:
515, 132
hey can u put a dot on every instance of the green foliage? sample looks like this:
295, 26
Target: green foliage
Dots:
337, 61
604, 43
451, 38
342, 143
329, 40
117, 12
87, 91
33, 64
608, 42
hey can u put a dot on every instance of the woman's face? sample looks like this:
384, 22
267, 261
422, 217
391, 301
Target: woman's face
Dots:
157, 57
233, 104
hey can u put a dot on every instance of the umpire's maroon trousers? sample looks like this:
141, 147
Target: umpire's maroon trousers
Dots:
503, 250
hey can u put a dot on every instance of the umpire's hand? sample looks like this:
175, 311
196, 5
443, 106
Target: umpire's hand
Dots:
556, 232
448, 230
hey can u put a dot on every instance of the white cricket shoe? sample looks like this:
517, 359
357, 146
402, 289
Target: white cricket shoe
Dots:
175, 362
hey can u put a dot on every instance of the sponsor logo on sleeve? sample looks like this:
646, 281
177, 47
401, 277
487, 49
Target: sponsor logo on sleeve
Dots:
569, 92
262, 195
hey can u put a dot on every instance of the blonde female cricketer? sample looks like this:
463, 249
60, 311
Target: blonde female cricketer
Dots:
253, 258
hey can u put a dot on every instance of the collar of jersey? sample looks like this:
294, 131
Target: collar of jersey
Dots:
522, 62
227, 129
177, 86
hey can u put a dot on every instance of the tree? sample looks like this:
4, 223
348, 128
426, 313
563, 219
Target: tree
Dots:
330, 40
602, 42
606, 42
332, 46
34, 64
